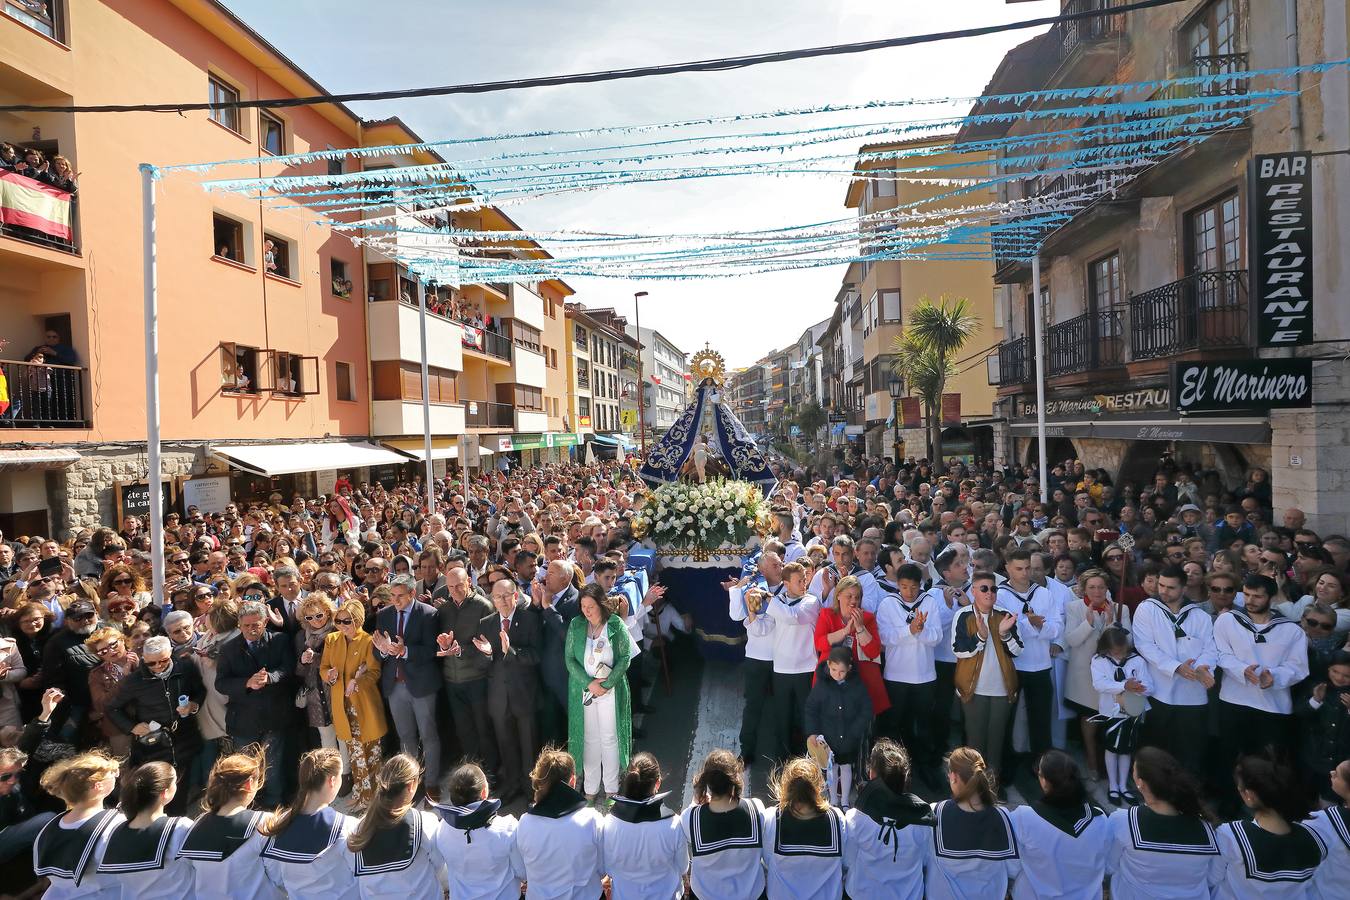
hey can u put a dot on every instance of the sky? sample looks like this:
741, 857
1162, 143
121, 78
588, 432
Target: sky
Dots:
349, 46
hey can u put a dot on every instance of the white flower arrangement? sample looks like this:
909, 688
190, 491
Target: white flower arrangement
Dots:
719, 512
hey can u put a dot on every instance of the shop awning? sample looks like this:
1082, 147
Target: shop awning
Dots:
1220, 431
441, 448
614, 440
284, 459
39, 458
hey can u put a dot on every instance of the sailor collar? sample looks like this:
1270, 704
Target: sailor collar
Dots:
637, 811
1339, 817
984, 834
892, 812
139, 849
1278, 857
561, 800
739, 828
1073, 820
1178, 619
1157, 833
466, 818
215, 838
1025, 600
821, 835
1259, 632
65, 852
887, 586
306, 837
392, 849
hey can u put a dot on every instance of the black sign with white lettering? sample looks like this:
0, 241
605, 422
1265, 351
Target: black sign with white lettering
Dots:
1281, 252
1242, 384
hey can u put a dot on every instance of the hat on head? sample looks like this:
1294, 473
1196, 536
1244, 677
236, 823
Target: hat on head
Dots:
80, 608
1189, 507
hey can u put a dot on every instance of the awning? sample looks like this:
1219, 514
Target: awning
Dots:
614, 440
441, 448
284, 459
42, 458
1219, 431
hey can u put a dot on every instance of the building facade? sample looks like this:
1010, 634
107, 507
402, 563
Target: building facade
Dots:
665, 369
1158, 276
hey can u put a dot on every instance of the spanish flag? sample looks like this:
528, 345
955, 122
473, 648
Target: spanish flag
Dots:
4, 393
32, 204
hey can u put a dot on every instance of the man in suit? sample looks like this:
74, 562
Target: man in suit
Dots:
405, 638
511, 636
555, 601
465, 667
254, 672
287, 601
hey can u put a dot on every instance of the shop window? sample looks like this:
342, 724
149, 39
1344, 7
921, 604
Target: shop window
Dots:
277, 252
341, 284
227, 238
346, 385
271, 134
220, 92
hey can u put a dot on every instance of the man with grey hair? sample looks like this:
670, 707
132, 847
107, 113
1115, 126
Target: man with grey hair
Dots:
410, 678
178, 625
287, 600
254, 672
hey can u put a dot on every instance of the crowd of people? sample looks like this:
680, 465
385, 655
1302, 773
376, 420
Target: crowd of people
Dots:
33, 163
909, 634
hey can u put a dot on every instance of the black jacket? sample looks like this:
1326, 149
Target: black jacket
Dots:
253, 713
555, 619
141, 697
463, 622
840, 712
516, 672
66, 664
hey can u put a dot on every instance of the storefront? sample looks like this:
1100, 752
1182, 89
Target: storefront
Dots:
539, 448
24, 496
259, 470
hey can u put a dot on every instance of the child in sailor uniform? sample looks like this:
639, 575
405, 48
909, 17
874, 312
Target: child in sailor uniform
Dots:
1333, 826
1062, 839
1272, 854
142, 852
804, 839
889, 833
298, 836
558, 840
725, 832
475, 840
67, 849
641, 843
974, 850
224, 843
1122, 680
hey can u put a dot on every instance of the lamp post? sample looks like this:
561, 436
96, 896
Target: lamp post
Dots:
642, 416
896, 386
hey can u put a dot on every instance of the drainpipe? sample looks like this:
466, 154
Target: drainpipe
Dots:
1291, 44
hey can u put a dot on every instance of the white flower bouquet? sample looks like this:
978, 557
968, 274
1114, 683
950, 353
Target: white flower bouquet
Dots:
719, 512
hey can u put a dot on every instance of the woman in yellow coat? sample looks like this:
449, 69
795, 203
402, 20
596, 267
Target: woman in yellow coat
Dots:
351, 670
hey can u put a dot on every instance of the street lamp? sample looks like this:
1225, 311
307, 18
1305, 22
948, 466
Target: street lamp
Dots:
642, 416
896, 386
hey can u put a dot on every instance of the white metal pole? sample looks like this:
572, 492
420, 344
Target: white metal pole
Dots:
426, 399
154, 467
1040, 373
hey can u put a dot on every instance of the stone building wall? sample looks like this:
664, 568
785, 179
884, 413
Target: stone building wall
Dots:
83, 495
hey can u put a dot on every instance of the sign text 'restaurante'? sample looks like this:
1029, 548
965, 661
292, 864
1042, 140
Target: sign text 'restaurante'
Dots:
1282, 241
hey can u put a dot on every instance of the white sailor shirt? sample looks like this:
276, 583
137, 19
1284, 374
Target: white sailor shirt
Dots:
726, 850
975, 854
1332, 877
1167, 641
1257, 863
224, 852
794, 633
558, 847
475, 841
289, 857
643, 849
909, 657
886, 845
145, 861
401, 861
1279, 646
1108, 680
943, 651
1157, 857
804, 858
1062, 851
758, 634
68, 856
1035, 655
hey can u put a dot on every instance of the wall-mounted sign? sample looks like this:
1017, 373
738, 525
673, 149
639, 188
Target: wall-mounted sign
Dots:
1142, 400
133, 498
1242, 384
210, 495
505, 445
951, 410
910, 414
1280, 196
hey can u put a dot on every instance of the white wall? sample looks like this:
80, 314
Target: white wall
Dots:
527, 367
395, 334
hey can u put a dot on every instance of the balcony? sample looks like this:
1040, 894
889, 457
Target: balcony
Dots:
390, 418
486, 414
395, 333
42, 396
1087, 342
487, 343
1204, 311
1013, 364
1080, 34
584, 380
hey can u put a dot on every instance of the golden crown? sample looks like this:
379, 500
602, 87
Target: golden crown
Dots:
708, 363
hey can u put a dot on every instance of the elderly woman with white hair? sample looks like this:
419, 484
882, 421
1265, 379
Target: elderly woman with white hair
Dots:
182, 632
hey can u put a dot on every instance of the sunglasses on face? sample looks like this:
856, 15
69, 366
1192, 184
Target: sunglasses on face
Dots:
1223, 590
315, 617
7, 777
159, 663
80, 617
1114, 557
257, 598
344, 621
121, 607
1320, 626
121, 581
104, 651
983, 589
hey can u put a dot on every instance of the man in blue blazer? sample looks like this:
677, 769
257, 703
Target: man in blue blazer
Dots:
410, 677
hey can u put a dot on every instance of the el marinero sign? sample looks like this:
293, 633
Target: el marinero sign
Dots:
1280, 201
1242, 384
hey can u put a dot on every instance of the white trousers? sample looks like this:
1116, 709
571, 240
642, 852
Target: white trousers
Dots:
601, 758
328, 737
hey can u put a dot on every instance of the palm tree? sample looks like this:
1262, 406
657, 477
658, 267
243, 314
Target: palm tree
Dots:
925, 356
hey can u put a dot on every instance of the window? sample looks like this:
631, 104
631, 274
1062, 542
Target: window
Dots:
583, 374
582, 338
220, 92
583, 406
271, 134
276, 255
403, 381
1215, 236
883, 187
598, 350
890, 306
335, 164
525, 335
39, 15
228, 238
341, 284
290, 373
346, 387
1214, 31
238, 369
529, 398
1104, 283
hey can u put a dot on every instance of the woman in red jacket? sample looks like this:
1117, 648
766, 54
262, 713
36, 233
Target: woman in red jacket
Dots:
848, 624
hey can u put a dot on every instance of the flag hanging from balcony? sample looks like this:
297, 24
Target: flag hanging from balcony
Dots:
32, 204
4, 394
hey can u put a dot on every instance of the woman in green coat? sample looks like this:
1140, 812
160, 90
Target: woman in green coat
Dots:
599, 715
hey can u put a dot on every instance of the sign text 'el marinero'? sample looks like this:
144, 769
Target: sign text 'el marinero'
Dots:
1281, 252
1242, 384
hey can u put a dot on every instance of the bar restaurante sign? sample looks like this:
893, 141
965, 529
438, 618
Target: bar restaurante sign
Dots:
1281, 253
1242, 384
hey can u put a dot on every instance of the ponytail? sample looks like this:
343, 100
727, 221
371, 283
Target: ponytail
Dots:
143, 786
72, 780
1060, 773
552, 768
967, 765
467, 784
394, 788
1273, 785
1168, 781
719, 777
799, 784
316, 767
641, 778
890, 763
230, 776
